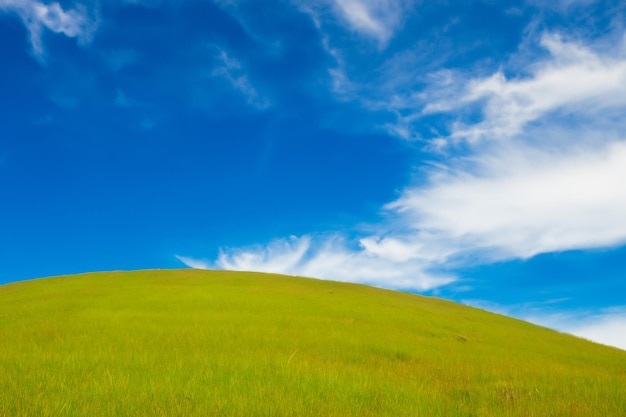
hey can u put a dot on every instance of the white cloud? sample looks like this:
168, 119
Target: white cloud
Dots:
524, 202
282, 256
329, 258
549, 179
230, 69
194, 263
569, 79
360, 16
608, 329
573, 80
606, 326
37, 15
374, 19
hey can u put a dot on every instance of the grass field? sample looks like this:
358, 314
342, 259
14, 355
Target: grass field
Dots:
203, 343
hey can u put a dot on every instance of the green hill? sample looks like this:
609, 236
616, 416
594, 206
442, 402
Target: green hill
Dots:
204, 343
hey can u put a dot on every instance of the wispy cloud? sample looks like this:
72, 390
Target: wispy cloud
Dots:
553, 147
329, 257
230, 69
522, 201
378, 19
36, 16
548, 177
194, 263
606, 326
565, 78
374, 19
542, 183
572, 80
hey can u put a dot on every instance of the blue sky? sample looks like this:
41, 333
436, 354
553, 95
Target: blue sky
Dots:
471, 150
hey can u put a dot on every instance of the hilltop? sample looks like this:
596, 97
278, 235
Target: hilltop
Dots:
217, 343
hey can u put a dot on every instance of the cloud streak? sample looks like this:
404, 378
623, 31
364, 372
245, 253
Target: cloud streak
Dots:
531, 164
539, 187
328, 257
542, 172
230, 69
607, 326
524, 201
37, 16
378, 19
573, 80
373, 19
560, 78
608, 329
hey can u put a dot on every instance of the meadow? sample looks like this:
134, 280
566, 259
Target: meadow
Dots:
217, 343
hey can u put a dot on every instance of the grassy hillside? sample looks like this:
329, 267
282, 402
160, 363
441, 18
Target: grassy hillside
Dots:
202, 343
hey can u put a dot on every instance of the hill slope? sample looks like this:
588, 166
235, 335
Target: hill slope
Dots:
204, 343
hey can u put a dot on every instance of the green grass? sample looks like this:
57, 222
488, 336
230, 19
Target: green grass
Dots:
203, 343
